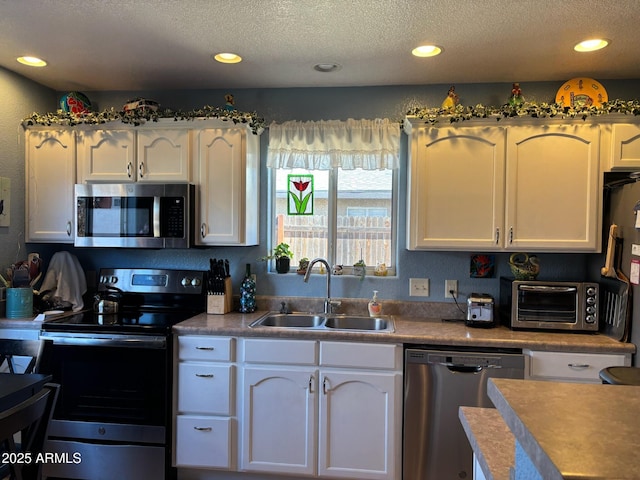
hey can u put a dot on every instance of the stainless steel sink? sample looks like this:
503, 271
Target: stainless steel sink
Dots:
357, 323
312, 321
289, 320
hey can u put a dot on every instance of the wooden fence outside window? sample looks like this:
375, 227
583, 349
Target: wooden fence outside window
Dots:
358, 237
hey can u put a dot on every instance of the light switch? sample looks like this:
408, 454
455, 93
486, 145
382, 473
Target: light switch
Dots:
418, 287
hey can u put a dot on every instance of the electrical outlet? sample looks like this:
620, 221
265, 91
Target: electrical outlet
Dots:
418, 287
449, 286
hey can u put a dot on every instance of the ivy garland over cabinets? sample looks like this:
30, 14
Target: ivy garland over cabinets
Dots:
460, 113
139, 117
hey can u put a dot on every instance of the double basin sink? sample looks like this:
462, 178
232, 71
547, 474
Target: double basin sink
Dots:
314, 321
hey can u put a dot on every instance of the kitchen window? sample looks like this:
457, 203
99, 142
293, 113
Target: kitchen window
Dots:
337, 207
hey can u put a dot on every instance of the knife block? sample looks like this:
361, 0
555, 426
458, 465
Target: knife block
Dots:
221, 303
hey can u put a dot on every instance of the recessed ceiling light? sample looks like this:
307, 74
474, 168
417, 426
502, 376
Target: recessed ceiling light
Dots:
327, 67
32, 61
227, 58
591, 45
426, 51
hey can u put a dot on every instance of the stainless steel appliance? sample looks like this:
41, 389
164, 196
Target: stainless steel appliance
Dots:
621, 197
115, 369
540, 305
479, 310
134, 215
437, 383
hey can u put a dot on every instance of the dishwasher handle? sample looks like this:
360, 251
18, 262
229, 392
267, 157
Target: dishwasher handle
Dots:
463, 368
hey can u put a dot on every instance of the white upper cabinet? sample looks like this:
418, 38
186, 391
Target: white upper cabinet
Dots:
106, 156
456, 188
50, 158
163, 156
226, 170
532, 187
625, 146
553, 188
123, 156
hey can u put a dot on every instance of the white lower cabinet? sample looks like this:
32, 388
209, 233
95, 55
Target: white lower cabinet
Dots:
331, 409
279, 420
205, 403
571, 366
358, 425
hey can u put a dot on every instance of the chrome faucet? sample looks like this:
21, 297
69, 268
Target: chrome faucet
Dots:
328, 305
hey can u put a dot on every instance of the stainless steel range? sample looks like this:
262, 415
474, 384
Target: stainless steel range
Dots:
113, 417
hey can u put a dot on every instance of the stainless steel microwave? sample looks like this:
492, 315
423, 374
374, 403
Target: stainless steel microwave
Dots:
134, 215
541, 305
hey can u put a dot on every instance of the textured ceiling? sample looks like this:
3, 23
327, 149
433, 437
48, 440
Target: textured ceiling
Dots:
96, 45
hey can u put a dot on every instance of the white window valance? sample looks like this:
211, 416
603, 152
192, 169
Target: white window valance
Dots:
324, 145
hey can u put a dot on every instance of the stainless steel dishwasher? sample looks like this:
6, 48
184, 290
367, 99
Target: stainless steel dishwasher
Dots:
437, 383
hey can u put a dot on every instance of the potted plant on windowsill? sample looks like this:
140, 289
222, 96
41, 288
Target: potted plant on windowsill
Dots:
303, 264
283, 255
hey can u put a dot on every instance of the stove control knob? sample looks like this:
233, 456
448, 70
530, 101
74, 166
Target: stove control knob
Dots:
195, 282
186, 281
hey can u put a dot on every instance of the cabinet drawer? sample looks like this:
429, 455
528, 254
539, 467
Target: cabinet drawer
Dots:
202, 347
361, 355
205, 388
298, 352
203, 441
578, 367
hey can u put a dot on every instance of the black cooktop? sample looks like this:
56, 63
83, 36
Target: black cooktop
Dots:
150, 302
151, 323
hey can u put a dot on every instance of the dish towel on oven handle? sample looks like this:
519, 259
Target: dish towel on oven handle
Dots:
65, 279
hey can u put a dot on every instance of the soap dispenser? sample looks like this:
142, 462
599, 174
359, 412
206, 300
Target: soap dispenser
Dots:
375, 307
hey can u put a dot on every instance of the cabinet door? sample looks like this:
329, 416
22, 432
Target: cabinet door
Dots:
360, 425
553, 188
50, 178
456, 188
626, 146
279, 418
221, 181
106, 156
163, 156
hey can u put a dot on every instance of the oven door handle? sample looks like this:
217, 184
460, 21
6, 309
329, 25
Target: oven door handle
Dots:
546, 288
118, 341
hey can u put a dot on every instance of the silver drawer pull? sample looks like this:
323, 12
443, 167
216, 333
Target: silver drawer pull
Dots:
203, 429
204, 375
578, 365
205, 348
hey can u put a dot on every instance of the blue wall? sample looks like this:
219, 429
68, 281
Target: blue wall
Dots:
341, 103
19, 98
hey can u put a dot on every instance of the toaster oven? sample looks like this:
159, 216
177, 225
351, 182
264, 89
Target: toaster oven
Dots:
550, 305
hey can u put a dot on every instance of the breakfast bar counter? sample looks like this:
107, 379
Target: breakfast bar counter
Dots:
557, 430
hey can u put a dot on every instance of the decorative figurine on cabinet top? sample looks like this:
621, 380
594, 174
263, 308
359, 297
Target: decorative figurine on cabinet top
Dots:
228, 98
75, 102
516, 98
451, 101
